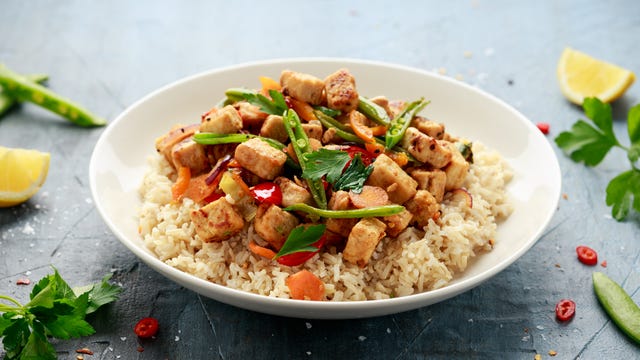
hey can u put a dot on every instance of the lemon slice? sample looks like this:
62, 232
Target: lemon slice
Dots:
581, 75
22, 173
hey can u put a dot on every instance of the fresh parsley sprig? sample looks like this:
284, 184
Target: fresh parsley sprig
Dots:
590, 144
54, 310
301, 238
331, 164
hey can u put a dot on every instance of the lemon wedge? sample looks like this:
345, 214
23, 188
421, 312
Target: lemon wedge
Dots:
22, 173
581, 75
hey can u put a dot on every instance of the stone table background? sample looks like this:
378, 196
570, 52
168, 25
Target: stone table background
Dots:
108, 54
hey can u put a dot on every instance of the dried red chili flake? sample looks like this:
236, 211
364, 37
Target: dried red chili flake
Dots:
587, 255
604, 263
23, 281
544, 127
85, 351
565, 309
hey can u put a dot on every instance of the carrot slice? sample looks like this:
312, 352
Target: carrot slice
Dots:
198, 190
182, 182
360, 129
303, 109
369, 196
379, 130
261, 251
304, 285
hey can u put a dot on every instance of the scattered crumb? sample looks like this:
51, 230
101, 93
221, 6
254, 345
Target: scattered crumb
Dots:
468, 54
558, 265
459, 77
79, 357
552, 353
565, 196
23, 281
442, 71
537, 357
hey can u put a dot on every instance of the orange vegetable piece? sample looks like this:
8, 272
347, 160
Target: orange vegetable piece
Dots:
269, 84
243, 185
182, 182
304, 285
379, 130
261, 251
303, 109
198, 190
369, 196
359, 128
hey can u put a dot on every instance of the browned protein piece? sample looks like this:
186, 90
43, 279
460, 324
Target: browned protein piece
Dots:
390, 176
432, 180
398, 222
293, 193
260, 158
190, 154
274, 224
301, 86
456, 170
217, 221
340, 200
222, 121
423, 206
428, 127
166, 142
273, 127
362, 241
425, 148
340, 88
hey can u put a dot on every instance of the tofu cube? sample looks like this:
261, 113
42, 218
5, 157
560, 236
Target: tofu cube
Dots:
217, 221
260, 158
223, 121
362, 241
274, 224
390, 176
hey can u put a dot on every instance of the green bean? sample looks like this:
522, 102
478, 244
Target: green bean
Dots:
373, 111
618, 304
342, 130
301, 145
23, 89
374, 211
400, 123
6, 101
217, 139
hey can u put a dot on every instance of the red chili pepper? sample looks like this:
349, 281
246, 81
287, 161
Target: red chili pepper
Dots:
587, 255
146, 327
267, 192
366, 156
544, 127
213, 197
565, 309
298, 258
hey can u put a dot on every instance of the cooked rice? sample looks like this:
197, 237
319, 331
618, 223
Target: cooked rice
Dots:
416, 261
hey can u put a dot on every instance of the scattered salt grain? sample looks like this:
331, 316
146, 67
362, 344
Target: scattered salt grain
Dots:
470, 320
526, 338
489, 52
88, 200
308, 325
28, 230
309, 353
540, 327
123, 338
388, 331
177, 338
362, 338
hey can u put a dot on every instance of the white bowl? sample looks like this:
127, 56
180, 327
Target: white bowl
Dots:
119, 162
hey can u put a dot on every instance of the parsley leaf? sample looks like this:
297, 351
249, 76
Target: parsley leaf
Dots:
586, 143
301, 238
354, 177
589, 144
325, 162
274, 106
54, 310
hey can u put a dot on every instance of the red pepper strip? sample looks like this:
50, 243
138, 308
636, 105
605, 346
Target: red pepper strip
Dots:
298, 258
587, 255
565, 309
267, 192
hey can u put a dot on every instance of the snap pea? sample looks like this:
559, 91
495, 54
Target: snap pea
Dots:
301, 146
217, 139
400, 123
23, 89
238, 94
618, 304
342, 130
327, 111
6, 101
373, 111
374, 211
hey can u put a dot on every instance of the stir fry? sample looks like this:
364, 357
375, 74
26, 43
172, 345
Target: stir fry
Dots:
311, 163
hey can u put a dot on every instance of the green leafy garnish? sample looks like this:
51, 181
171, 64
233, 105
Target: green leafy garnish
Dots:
274, 106
354, 177
54, 310
300, 239
331, 164
590, 144
325, 162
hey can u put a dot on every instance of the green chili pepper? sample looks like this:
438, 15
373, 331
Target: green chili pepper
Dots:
21, 88
618, 304
301, 145
374, 211
6, 101
373, 111
400, 124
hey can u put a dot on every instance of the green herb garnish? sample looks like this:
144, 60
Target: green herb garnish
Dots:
274, 106
588, 144
54, 310
354, 177
300, 239
325, 162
